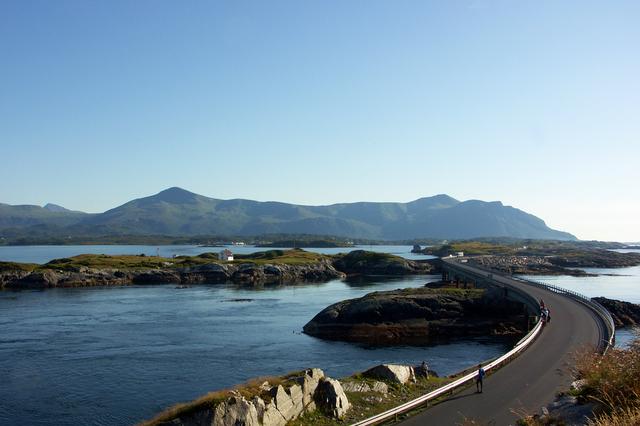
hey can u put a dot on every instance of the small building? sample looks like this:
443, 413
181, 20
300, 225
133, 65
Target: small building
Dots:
226, 255
460, 254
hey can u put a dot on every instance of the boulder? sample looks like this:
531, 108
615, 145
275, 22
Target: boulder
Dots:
401, 374
261, 407
234, 412
295, 393
331, 399
356, 387
309, 383
380, 387
272, 417
283, 402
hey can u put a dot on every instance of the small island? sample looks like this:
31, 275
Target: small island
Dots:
261, 268
537, 257
419, 316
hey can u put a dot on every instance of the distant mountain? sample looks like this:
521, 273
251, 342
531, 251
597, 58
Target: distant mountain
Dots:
55, 208
178, 212
23, 216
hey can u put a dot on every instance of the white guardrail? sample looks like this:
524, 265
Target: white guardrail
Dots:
407, 406
519, 347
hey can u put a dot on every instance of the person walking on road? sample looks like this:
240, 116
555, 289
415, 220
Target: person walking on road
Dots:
479, 378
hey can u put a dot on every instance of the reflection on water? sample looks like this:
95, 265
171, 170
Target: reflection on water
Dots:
116, 355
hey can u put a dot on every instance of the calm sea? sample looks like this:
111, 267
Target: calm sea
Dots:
117, 355
43, 254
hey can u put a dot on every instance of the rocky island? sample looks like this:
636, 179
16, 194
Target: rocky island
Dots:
261, 268
537, 257
418, 316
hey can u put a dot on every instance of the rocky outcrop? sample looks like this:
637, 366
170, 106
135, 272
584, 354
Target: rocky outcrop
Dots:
624, 314
211, 273
331, 399
418, 316
361, 262
275, 407
401, 374
525, 265
236, 411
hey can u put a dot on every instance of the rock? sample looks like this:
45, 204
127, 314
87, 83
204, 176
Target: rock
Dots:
199, 418
261, 407
624, 314
401, 374
295, 392
380, 387
416, 249
331, 399
372, 263
577, 385
234, 412
156, 276
273, 417
283, 402
356, 387
418, 316
309, 383
265, 386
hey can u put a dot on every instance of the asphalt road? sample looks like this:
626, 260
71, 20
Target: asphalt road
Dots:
530, 381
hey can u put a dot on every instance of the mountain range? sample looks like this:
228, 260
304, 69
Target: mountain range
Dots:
178, 212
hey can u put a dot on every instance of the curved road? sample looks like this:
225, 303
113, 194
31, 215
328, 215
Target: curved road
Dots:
530, 381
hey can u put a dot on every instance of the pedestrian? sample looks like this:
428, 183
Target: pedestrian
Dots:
424, 369
541, 304
548, 314
479, 378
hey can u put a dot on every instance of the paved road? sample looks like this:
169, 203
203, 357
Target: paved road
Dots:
532, 380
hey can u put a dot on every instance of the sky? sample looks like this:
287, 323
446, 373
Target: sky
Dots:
533, 103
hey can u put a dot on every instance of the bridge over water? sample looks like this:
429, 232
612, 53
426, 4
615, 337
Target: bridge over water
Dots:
532, 378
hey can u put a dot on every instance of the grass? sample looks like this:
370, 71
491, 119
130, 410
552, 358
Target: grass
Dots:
13, 266
363, 405
132, 262
613, 380
367, 404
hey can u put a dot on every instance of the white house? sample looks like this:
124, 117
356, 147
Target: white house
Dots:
226, 255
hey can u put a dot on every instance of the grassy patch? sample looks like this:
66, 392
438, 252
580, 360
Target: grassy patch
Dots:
613, 381
102, 261
13, 266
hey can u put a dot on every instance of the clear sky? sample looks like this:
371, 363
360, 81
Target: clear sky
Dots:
533, 103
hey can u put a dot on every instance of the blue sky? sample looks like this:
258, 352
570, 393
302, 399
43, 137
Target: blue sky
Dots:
535, 104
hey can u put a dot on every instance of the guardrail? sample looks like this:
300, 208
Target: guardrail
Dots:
407, 406
521, 345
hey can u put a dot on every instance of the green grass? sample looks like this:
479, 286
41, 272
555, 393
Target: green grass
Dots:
13, 266
133, 262
367, 404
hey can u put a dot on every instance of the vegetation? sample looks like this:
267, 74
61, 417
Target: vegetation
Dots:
363, 404
141, 261
248, 390
367, 404
613, 380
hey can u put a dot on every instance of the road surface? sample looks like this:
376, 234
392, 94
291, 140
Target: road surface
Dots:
530, 381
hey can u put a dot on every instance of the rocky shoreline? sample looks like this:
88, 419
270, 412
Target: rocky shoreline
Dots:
264, 268
526, 265
419, 316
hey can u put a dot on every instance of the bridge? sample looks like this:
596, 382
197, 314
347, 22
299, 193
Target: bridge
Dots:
537, 369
